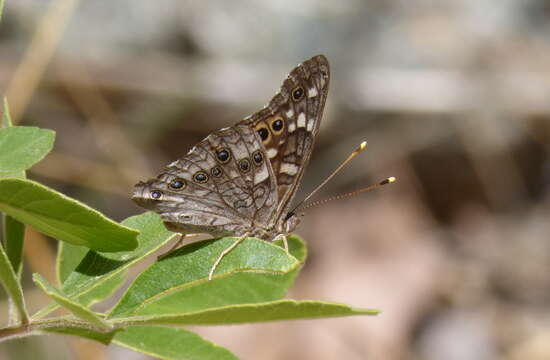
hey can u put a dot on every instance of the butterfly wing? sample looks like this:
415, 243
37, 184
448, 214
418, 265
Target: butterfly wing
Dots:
287, 126
223, 186
244, 177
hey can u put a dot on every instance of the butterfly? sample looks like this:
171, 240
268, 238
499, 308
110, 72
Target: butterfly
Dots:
241, 180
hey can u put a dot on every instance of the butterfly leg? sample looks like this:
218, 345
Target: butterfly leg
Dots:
285, 241
225, 252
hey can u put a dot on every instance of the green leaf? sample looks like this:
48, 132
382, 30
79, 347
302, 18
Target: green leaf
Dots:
63, 218
14, 237
83, 331
6, 118
252, 313
14, 234
255, 271
9, 280
296, 247
97, 269
13, 231
68, 258
21, 147
6, 123
104, 290
76, 308
170, 343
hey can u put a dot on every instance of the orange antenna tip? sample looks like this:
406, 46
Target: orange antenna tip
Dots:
387, 181
353, 193
357, 150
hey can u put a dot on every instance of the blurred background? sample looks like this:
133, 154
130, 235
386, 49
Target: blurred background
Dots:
453, 98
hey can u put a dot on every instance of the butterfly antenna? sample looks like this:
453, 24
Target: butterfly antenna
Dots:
353, 193
355, 152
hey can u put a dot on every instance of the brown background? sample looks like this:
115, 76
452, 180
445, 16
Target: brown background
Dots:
453, 98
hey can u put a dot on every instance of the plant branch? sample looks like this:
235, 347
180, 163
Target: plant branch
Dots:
33, 328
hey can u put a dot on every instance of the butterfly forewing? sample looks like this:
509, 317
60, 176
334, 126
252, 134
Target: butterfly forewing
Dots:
247, 183
287, 126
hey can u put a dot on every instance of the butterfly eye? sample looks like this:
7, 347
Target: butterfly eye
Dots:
177, 184
244, 165
216, 171
297, 93
277, 125
200, 177
223, 155
156, 195
258, 157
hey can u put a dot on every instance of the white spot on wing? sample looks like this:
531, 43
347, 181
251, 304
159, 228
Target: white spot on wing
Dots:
291, 127
310, 125
239, 152
290, 113
312, 92
288, 168
271, 153
301, 120
261, 176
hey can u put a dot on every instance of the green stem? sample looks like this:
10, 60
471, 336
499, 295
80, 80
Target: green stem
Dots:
19, 331
14, 332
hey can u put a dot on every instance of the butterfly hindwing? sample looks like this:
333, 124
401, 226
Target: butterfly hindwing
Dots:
227, 188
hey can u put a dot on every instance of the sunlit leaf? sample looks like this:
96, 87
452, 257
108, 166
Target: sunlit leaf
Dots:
251, 313
76, 308
63, 218
104, 290
255, 271
21, 147
170, 343
97, 269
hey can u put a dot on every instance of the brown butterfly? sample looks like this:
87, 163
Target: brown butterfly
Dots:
241, 180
